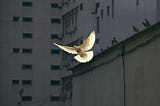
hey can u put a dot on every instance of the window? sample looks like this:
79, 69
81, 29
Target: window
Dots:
137, 2
97, 5
97, 41
27, 50
26, 66
27, 35
55, 20
54, 36
112, 8
16, 50
27, 4
54, 51
54, 98
26, 82
55, 82
108, 11
15, 18
81, 6
55, 67
54, 5
26, 98
70, 20
15, 82
101, 13
27, 19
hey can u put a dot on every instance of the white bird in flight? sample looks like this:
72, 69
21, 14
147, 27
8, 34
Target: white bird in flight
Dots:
82, 51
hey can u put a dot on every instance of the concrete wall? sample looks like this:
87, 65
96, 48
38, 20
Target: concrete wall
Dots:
130, 79
116, 19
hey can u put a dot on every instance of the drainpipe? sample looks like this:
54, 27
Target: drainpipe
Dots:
124, 72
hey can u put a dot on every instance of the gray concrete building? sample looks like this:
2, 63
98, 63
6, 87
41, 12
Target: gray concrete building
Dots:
127, 74
112, 20
29, 63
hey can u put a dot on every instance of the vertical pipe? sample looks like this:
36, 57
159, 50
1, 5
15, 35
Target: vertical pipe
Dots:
124, 73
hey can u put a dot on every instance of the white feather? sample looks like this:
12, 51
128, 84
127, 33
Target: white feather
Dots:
83, 56
87, 58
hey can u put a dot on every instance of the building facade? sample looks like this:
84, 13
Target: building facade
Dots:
113, 21
29, 63
126, 74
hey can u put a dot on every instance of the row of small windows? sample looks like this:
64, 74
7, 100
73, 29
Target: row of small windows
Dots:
29, 67
30, 19
30, 35
30, 4
26, 50
29, 50
29, 82
24, 82
29, 98
25, 19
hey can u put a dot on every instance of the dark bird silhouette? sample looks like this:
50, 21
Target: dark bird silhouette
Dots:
146, 23
135, 29
114, 41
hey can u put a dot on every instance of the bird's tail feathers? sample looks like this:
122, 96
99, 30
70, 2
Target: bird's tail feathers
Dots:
87, 58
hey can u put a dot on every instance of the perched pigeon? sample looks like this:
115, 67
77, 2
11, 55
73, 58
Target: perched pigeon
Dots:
82, 51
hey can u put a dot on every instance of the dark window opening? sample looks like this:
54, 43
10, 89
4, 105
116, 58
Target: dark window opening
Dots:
15, 82
97, 41
54, 51
54, 36
55, 67
108, 9
27, 19
26, 82
16, 50
15, 18
27, 4
26, 66
26, 98
97, 5
55, 82
112, 8
54, 5
27, 35
55, 20
101, 13
81, 6
27, 50
54, 98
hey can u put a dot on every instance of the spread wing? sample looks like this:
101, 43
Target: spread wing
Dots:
67, 48
89, 42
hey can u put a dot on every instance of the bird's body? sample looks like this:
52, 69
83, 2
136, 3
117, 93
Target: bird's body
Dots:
83, 55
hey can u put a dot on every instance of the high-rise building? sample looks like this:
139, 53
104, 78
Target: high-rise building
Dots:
29, 63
